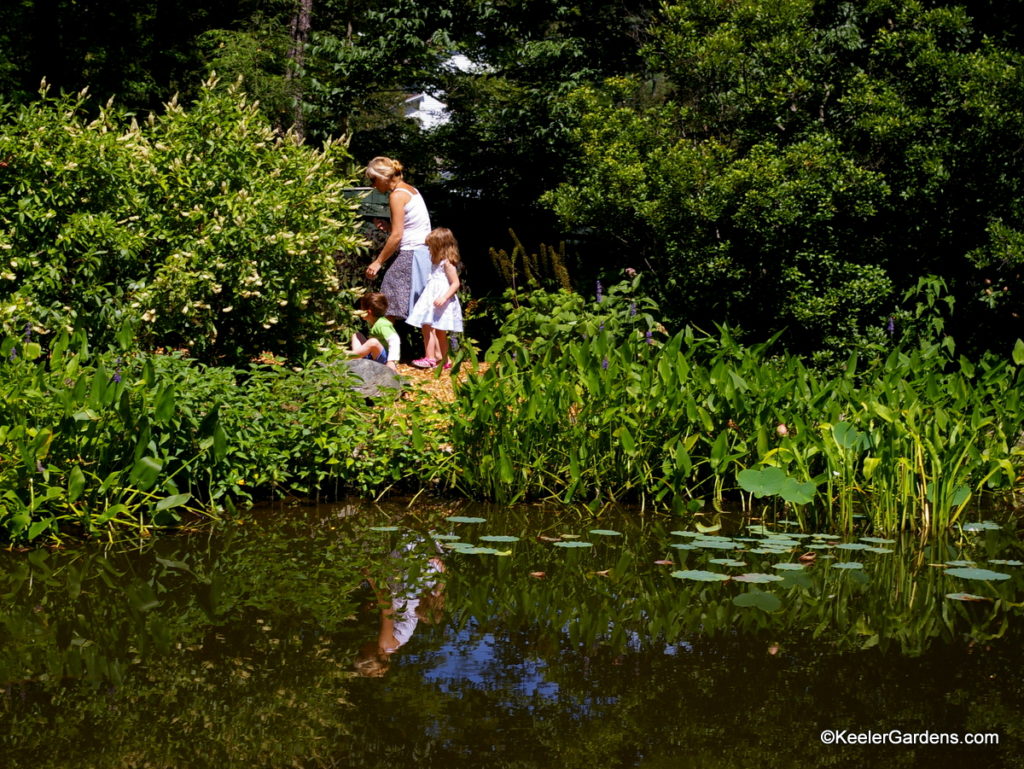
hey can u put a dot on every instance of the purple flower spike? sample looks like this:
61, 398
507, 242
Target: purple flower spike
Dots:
117, 377
600, 294
604, 364
14, 353
649, 337
891, 327
632, 309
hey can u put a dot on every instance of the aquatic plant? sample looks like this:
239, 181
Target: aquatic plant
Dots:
577, 406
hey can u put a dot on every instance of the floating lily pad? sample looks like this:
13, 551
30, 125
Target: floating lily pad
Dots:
882, 550
847, 565
465, 519
385, 528
701, 576
770, 551
715, 544
878, 540
983, 526
959, 563
445, 537
569, 536
606, 532
726, 562
982, 574
574, 543
788, 566
827, 536
852, 546
757, 577
1003, 562
683, 546
767, 602
686, 534
787, 522
498, 538
966, 597
481, 551
819, 546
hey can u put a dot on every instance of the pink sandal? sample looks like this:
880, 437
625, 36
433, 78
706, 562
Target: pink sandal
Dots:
424, 363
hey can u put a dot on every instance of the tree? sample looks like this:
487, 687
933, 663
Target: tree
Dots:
797, 163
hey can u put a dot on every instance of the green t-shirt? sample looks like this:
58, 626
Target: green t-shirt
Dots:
383, 330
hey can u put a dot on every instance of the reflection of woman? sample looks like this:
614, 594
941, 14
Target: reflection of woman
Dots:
417, 598
410, 224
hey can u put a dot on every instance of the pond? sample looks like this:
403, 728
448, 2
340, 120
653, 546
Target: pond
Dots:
518, 637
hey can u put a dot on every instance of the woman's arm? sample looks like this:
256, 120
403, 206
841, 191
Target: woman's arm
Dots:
395, 238
453, 284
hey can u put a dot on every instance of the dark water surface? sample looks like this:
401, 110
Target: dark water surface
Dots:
259, 645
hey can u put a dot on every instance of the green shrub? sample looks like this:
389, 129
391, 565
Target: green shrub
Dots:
199, 227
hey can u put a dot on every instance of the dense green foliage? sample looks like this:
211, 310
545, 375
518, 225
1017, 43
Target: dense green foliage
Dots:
591, 402
92, 442
201, 227
800, 163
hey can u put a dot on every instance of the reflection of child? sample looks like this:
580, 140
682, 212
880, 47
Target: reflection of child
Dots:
438, 310
382, 345
416, 599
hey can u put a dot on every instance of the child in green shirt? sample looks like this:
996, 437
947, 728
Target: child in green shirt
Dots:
382, 345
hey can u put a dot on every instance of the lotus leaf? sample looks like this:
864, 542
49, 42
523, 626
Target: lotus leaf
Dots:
701, 576
726, 562
847, 565
767, 602
788, 566
966, 597
982, 574
606, 532
498, 538
465, 519
757, 577
574, 543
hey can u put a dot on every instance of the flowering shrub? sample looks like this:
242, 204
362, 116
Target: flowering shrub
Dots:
198, 227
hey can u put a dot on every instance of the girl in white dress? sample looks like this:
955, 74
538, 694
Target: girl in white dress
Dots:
438, 311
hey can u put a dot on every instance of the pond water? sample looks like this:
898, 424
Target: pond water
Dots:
355, 636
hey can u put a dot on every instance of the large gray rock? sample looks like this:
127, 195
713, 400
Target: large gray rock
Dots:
373, 379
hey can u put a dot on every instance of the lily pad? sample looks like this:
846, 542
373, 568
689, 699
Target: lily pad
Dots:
766, 602
445, 537
683, 546
574, 543
465, 519
847, 565
385, 528
966, 597
498, 538
788, 566
852, 546
757, 577
983, 526
1004, 562
606, 532
715, 544
726, 562
959, 563
686, 534
882, 550
878, 540
982, 574
701, 576
481, 551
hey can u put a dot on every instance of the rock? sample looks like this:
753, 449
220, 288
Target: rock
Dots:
373, 379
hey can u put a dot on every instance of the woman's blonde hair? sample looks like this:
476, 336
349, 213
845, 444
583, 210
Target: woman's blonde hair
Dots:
443, 246
383, 168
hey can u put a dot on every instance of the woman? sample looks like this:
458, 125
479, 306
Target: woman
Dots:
410, 223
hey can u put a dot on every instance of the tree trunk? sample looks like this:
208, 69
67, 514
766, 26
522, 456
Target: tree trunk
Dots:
300, 27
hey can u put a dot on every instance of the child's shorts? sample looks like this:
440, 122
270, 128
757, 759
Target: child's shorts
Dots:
382, 358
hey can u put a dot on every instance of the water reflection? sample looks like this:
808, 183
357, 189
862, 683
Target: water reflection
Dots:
411, 593
235, 647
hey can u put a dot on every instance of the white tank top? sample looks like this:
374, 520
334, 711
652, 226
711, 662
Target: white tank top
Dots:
416, 222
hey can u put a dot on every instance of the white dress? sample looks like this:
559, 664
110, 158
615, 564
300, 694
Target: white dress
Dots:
446, 318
